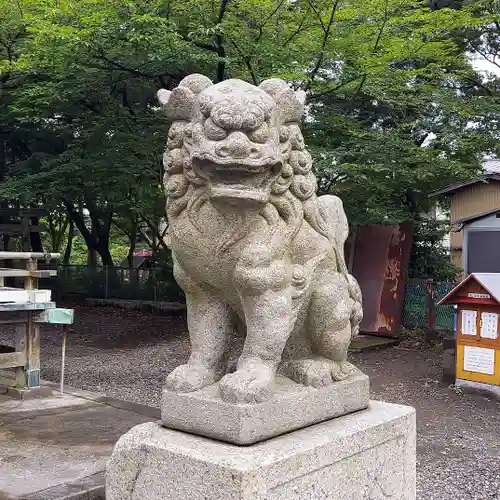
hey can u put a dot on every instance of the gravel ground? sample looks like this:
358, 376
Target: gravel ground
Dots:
127, 354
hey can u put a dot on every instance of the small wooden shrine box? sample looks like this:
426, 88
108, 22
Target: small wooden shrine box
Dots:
478, 341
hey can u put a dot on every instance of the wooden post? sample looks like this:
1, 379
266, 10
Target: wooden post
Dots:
30, 283
27, 318
106, 282
63, 355
33, 334
21, 346
25, 234
33, 367
431, 310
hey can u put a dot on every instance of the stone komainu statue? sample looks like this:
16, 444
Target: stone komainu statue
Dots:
251, 241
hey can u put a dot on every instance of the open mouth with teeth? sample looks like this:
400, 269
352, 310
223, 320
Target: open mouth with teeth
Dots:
233, 182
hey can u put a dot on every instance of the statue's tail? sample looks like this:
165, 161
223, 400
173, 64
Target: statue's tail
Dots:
336, 227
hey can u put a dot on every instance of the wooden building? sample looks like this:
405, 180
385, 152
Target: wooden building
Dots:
472, 202
481, 242
477, 300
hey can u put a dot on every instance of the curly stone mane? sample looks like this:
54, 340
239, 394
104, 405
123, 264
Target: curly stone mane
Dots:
293, 193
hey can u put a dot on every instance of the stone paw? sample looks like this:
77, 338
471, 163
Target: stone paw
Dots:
311, 372
189, 378
248, 385
343, 370
317, 372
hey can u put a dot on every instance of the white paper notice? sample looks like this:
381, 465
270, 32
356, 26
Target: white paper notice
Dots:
479, 360
489, 325
469, 320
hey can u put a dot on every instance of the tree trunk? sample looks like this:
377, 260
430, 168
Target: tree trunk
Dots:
36, 238
69, 244
102, 247
91, 257
4, 237
105, 254
97, 239
133, 240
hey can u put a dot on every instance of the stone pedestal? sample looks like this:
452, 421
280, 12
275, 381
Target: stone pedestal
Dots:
367, 455
292, 406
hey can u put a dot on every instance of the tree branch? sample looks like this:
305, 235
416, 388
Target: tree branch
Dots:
247, 62
79, 223
491, 60
154, 228
480, 85
360, 86
321, 56
339, 86
93, 214
299, 28
219, 44
384, 22
261, 27
318, 15
146, 237
375, 47
135, 71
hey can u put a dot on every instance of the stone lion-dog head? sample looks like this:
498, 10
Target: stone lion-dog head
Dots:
240, 147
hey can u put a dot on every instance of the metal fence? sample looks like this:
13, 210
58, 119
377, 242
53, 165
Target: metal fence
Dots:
421, 309
420, 306
113, 283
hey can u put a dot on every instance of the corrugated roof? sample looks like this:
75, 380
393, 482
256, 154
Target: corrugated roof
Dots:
492, 166
491, 172
489, 281
473, 218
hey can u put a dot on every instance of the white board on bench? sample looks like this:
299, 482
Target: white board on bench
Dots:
18, 295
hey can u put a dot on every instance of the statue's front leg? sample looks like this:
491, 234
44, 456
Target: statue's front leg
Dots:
210, 328
267, 305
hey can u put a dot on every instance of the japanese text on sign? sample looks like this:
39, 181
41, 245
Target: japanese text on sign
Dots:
489, 325
479, 296
479, 360
469, 320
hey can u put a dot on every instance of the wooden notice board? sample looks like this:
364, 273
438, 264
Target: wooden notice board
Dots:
477, 300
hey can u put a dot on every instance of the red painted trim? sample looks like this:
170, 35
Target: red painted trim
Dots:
445, 299
448, 299
469, 300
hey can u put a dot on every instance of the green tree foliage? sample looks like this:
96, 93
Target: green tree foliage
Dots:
429, 257
395, 111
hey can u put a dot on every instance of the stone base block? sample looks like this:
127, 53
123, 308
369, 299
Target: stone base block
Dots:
368, 455
36, 392
292, 407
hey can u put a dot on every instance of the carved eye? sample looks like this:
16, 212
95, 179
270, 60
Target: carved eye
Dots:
261, 135
213, 132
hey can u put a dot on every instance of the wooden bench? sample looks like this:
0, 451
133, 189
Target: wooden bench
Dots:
25, 309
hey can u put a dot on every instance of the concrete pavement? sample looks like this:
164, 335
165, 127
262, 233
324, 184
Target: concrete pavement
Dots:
56, 448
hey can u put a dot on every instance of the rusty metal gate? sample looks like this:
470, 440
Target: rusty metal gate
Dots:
380, 264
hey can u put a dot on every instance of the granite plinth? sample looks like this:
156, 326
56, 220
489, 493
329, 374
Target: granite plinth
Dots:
293, 406
368, 455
